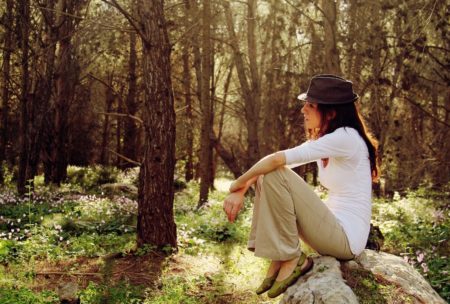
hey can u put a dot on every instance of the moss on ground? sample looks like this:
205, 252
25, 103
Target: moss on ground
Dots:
372, 289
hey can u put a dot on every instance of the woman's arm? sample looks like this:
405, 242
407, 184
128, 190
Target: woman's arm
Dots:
263, 166
235, 200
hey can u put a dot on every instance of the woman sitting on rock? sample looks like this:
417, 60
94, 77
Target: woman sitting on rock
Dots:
286, 208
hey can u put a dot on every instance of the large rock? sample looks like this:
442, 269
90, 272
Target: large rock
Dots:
395, 270
324, 283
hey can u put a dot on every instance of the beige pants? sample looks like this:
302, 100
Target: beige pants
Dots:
286, 208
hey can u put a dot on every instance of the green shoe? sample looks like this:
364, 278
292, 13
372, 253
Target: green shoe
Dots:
266, 284
279, 287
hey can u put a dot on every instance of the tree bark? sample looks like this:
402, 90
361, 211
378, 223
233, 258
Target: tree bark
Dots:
109, 101
250, 92
156, 223
46, 89
64, 90
9, 21
189, 127
189, 162
130, 128
206, 109
119, 123
355, 47
56, 92
268, 127
253, 104
193, 11
24, 12
332, 63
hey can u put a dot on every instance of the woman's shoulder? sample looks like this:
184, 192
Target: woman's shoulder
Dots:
344, 137
346, 132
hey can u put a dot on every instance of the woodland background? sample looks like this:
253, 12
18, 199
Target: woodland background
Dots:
236, 70
199, 89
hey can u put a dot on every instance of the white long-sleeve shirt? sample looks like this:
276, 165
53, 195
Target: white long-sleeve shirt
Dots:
347, 178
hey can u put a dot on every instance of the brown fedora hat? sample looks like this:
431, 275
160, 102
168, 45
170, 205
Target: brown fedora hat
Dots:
329, 89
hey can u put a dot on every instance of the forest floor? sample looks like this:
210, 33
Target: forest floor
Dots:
80, 239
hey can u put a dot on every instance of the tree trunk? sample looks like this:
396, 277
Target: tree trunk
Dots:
269, 126
130, 128
155, 200
64, 91
119, 123
189, 165
9, 21
207, 117
46, 90
222, 114
24, 12
253, 104
61, 78
250, 93
193, 12
228, 158
353, 46
104, 155
189, 159
332, 64
315, 63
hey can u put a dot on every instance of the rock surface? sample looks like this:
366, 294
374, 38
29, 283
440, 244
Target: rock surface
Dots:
324, 283
67, 293
395, 270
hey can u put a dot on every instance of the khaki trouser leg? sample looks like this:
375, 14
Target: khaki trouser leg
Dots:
285, 208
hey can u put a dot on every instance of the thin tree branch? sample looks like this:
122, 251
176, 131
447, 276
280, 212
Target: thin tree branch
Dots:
59, 12
122, 115
125, 158
185, 33
181, 109
444, 65
106, 85
322, 11
301, 12
425, 111
133, 23
68, 273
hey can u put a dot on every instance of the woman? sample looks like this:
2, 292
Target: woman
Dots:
286, 208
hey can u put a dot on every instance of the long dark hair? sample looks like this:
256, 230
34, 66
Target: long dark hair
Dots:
347, 115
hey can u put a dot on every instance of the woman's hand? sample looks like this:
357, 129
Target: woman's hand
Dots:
237, 185
233, 204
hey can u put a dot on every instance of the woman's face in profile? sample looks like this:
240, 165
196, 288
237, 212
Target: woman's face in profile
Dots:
311, 115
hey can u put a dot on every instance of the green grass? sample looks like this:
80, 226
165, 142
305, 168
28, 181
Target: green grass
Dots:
26, 296
73, 229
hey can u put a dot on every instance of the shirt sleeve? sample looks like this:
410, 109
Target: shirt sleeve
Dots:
340, 143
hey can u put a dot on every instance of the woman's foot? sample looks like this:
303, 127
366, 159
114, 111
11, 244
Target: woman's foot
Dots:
271, 275
287, 268
289, 273
273, 268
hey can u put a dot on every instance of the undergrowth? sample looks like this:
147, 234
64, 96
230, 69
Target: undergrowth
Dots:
72, 229
417, 227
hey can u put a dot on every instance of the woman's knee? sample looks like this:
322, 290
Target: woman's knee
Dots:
282, 173
274, 176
